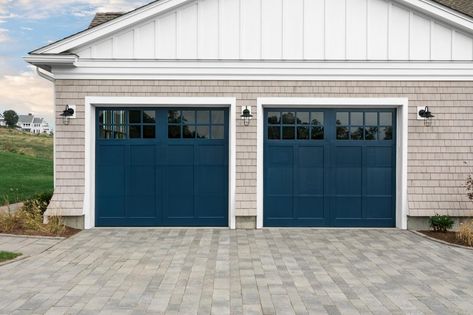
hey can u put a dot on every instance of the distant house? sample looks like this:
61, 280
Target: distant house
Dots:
30, 123
2, 121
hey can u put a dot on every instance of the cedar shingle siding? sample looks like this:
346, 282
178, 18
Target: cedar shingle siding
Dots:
439, 157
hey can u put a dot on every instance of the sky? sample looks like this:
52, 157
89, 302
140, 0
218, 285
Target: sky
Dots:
26, 25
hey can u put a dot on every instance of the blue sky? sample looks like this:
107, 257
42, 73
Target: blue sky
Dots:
29, 24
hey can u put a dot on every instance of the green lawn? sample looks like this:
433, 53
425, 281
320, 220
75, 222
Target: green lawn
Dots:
25, 143
23, 176
4, 256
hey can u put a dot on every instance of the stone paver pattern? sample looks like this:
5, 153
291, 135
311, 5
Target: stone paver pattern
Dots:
26, 245
219, 271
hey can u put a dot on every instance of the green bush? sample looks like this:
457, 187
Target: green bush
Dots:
441, 223
38, 202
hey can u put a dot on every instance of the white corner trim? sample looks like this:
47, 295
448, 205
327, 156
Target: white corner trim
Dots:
105, 69
401, 106
91, 102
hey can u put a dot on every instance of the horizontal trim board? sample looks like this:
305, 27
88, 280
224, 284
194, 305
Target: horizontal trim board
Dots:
266, 70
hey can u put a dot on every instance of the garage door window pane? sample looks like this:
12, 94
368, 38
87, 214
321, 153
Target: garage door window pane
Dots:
135, 116
356, 133
342, 133
356, 118
188, 132
203, 132
106, 132
302, 118
342, 118
288, 118
288, 133
303, 133
174, 131
385, 133
218, 132
149, 117
317, 118
385, 119
203, 117
149, 132
274, 118
371, 118
274, 133
188, 117
218, 117
135, 132
174, 116
105, 117
317, 133
371, 133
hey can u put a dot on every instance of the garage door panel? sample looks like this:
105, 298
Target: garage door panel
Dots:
281, 207
180, 154
348, 181
379, 207
279, 180
379, 181
310, 181
112, 206
143, 206
114, 185
379, 156
347, 207
179, 205
210, 206
310, 157
350, 156
210, 180
111, 155
141, 180
179, 180
309, 207
280, 155
142, 155
212, 155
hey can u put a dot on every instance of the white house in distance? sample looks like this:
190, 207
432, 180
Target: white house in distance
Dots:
30, 123
361, 114
2, 121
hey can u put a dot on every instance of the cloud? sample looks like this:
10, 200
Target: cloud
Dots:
26, 28
4, 35
27, 93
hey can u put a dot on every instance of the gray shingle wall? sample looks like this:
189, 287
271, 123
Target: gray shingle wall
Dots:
437, 155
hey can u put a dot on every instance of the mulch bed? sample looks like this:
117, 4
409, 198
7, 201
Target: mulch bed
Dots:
68, 232
449, 237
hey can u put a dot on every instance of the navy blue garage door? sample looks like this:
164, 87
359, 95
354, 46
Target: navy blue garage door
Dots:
329, 168
162, 167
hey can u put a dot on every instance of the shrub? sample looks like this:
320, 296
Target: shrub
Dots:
39, 201
441, 223
465, 233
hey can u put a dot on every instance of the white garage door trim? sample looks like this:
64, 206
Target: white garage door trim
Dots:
91, 102
401, 106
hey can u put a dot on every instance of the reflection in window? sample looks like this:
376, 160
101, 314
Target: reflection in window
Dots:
196, 124
300, 125
364, 125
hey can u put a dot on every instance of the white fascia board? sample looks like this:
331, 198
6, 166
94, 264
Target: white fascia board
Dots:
265, 70
51, 60
439, 11
110, 27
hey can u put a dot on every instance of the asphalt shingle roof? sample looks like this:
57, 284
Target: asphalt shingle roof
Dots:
102, 17
462, 6
28, 119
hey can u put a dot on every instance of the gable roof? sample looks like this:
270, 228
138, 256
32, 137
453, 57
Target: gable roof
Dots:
37, 120
103, 17
462, 6
25, 119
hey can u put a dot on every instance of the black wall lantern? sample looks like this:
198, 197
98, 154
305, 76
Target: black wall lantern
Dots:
426, 115
67, 114
246, 116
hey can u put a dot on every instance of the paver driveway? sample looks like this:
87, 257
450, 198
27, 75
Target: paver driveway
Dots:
221, 271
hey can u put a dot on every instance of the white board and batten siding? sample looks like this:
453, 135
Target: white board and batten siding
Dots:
287, 30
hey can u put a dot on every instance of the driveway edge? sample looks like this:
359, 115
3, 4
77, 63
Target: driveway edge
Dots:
440, 241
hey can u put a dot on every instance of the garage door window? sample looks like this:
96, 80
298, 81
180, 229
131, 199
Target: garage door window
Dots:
142, 124
196, 124
364, 125
300, 125
112, 124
